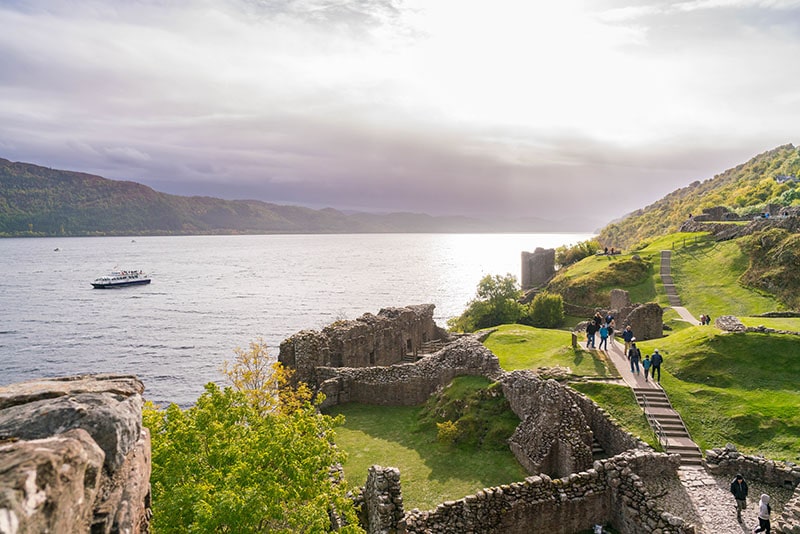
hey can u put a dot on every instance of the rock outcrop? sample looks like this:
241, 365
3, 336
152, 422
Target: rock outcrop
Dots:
74, 456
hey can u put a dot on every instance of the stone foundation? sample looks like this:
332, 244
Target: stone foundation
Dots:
76, 457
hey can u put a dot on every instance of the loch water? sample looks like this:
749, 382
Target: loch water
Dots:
211, 294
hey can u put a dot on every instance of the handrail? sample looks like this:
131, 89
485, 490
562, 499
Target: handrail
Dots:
655, 425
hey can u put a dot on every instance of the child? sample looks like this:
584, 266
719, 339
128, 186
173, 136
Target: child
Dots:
763, 514
646, 365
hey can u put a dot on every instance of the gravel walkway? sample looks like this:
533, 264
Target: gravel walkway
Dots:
709, 504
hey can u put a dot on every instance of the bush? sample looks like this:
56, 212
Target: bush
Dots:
546, 311
446, 432
567, 255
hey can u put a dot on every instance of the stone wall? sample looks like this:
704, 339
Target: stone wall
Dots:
75, 457
646, 321
729, 462
553, 437
620, 299
729, 323
408, 384
383, 500
612, 437
611, 492
371, 340
723, 232
538, 267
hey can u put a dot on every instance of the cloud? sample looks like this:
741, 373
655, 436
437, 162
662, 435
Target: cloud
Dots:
509, 109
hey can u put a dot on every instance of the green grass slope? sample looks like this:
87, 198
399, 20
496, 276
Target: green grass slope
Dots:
525, 347
735, 388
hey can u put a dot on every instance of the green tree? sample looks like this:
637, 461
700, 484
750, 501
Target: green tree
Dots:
546, 311
229, 464
496, 303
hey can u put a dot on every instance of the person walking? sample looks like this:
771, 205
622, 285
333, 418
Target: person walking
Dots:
627, 337
764, 510
655, 362
646, 366
739, 490
603, 337
591, 330
634, 356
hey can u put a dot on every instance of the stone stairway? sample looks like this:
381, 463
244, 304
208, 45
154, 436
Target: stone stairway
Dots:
668, 425
666, 278
598, 453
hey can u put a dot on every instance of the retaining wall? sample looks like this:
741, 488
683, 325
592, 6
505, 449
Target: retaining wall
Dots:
611, 492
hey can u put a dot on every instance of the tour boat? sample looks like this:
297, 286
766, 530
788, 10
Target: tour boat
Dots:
120, 279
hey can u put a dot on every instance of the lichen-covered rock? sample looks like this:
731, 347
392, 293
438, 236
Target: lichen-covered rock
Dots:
113, 420
76, 458
49, 484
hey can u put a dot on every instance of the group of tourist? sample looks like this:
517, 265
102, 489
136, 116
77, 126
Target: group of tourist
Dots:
651, 364
604, 326
739, 491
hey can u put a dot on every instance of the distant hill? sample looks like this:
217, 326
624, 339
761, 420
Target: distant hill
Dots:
769, 178
38, 201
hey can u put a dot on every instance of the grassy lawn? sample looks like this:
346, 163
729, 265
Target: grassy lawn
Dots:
526, 347
735, 388
430, 472
620, 403
792, 324
706, 277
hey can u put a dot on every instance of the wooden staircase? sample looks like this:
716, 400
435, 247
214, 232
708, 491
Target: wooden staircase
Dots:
668, 425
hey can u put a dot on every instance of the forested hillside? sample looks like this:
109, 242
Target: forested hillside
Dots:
38, 201
769, 178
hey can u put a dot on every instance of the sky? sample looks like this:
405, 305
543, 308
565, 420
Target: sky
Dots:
565, 110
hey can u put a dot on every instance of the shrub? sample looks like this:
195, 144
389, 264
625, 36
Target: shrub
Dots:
546, 311
447, 432
567, 255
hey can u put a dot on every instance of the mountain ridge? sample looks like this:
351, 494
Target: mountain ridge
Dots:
40, 201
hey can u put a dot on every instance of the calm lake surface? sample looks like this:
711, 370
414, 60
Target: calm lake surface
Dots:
211, 294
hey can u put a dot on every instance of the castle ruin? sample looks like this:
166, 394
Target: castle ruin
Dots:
568, 489
538, 267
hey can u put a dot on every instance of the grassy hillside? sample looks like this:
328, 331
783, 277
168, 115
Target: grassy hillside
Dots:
735, 388
711, 277
745, 189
